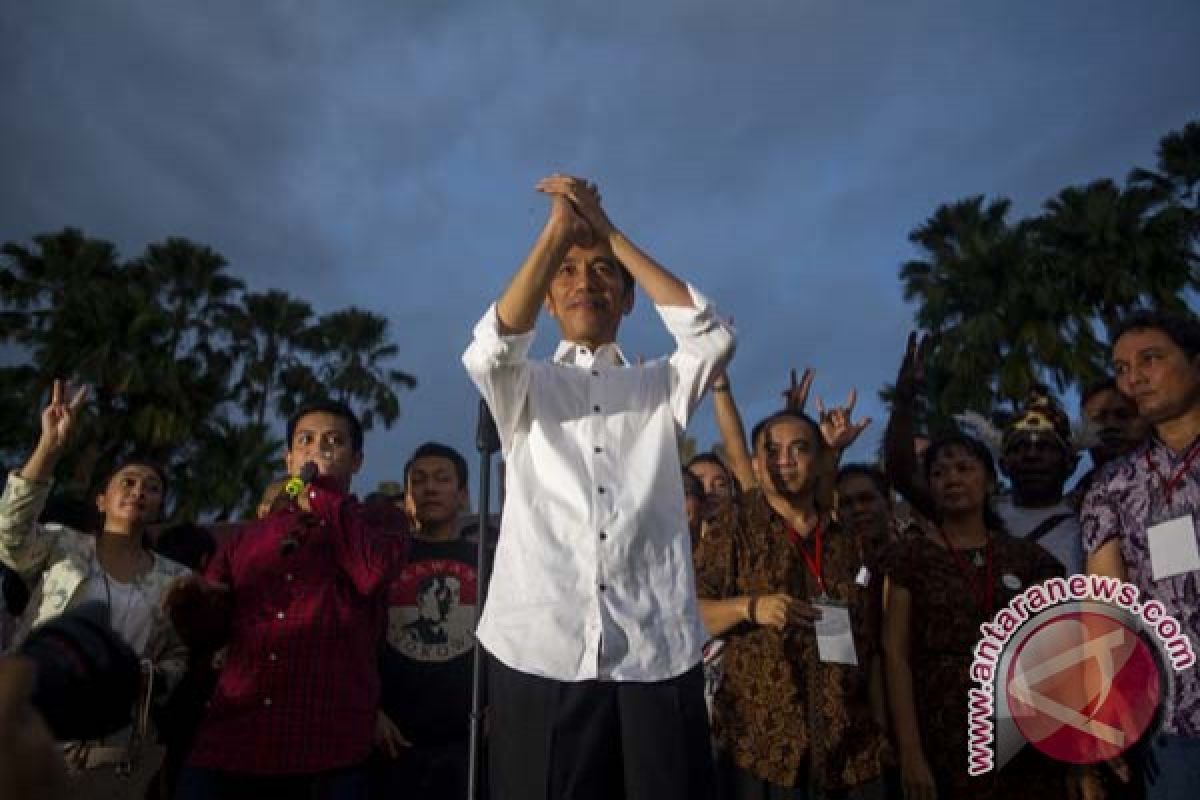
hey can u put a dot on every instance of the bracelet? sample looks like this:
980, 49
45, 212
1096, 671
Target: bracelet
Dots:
724, 387
751, 608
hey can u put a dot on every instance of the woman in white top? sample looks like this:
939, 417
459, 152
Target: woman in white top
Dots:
66, 567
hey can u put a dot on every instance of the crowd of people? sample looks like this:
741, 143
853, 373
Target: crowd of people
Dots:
761, 622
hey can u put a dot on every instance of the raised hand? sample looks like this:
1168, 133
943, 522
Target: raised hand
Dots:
567, 221
795, 397
911, 377
584, 198
838, 428
58, 418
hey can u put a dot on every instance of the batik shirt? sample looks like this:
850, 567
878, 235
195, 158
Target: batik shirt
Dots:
1127, 497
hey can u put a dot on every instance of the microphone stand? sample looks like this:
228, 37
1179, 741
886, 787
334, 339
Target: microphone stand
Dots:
487, 441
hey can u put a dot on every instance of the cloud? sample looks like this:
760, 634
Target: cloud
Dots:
382, 154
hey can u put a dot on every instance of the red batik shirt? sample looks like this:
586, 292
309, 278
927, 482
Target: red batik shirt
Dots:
300, 687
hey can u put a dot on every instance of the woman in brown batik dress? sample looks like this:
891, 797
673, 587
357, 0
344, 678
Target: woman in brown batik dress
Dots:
941, 586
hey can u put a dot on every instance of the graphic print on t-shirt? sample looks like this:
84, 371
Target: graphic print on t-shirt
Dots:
431, 610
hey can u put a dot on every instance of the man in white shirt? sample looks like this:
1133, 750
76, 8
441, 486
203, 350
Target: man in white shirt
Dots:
591, 619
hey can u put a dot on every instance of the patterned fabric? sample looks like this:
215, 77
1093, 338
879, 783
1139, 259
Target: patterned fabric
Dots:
943, 631
780, 712
57, 560
300, 687
1128, 497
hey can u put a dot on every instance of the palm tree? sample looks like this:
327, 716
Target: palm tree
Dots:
1115, 250
227, 471
970, 287
353, 370
268, 331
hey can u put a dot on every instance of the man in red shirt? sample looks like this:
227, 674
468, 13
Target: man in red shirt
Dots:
301, 595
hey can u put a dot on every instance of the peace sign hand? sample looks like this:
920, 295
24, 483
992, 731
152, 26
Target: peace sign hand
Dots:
58, 418
795, 397
838, 428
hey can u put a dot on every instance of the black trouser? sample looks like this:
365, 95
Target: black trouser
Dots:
196, 783
422, 772
551, 740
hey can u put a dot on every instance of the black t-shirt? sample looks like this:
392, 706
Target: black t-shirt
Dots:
426, 659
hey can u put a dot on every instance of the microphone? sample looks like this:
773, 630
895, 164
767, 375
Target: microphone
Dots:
294, 486
487, 438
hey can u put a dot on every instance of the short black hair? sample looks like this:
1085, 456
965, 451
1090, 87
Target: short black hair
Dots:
132, 460
708, 457
1108, 384
333, 407
869, 471
439, 450
787, 413
1182, 328
980, 452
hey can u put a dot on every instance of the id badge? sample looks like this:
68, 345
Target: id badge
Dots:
1173, 547
835, 638
863, 578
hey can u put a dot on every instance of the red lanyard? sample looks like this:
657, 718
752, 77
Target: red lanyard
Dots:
813, 562
984, 599
1169, 486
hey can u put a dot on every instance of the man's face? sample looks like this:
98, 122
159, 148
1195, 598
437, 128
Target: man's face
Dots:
958, 481
787, 457
1157, 374
861, 507
134, 495
1037, 465
432, 490
713, 478
588, 295
1115, 419
324, 439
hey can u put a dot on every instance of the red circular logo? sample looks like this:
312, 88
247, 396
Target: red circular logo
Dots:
1083, 687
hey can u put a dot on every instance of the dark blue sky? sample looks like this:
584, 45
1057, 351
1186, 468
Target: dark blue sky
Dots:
383, 154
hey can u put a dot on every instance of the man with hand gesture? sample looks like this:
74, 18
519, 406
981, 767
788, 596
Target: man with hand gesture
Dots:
591, 618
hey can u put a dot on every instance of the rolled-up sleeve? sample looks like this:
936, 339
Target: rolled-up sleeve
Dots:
26, 546
704, 345
499, 367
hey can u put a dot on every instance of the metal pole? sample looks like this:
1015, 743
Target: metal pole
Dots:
487, 441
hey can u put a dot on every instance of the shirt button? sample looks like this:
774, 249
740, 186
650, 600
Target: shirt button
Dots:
603, 536
272, 657
278, 615
600, 490
288, 577
596, 373
598, 449
603, 587
596, 409
266, 701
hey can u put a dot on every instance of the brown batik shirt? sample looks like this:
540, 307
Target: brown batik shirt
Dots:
780, 712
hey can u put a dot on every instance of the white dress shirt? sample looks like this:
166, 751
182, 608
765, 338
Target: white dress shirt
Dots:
593, 572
